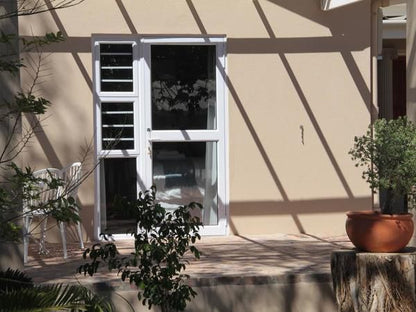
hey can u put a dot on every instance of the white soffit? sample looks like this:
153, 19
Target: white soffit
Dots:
394, 21
332, 4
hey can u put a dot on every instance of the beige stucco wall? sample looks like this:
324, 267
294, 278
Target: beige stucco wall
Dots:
299, 84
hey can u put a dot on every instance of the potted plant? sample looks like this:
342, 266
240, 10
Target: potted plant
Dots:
387, 153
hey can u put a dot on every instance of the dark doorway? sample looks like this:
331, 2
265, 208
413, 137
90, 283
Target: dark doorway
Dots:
392, 104
399, 86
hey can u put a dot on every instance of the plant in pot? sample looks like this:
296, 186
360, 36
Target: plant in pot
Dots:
387, 154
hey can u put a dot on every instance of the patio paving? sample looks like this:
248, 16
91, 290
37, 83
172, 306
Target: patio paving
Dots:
224, 260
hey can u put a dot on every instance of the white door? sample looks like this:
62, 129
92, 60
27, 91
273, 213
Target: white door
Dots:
160, 115
185, 125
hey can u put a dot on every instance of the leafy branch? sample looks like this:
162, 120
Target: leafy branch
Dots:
31, 7
161, 242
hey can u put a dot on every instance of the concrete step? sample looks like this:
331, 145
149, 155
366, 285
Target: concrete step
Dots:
235, 274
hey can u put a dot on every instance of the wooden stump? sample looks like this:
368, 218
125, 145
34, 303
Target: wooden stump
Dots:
374, 282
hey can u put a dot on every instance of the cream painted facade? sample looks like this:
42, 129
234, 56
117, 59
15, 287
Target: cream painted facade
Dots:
300, 86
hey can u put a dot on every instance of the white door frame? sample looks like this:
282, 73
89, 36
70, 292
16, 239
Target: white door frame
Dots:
219, 135
144, 138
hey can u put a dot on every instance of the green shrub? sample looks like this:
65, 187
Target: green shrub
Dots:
156, 266
387, 153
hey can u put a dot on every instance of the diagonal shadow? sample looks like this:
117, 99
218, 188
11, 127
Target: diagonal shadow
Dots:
337, 31
76, 57
255, 136
251, 128
264, 19
305, 103
40, 133
316, 125
261, 149
359, 81
126, 16
196, 17
44, 141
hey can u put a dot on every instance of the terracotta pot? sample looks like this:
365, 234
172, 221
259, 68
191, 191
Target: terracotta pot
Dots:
375, 232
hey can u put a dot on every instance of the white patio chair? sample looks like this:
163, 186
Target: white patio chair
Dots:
72, 177
43, 194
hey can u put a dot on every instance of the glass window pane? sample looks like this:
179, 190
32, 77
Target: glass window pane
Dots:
183, 87
117, 119
184, 172
117, 86
115, 48
116, 62
118, 180
116, 106
117, 123
116, 74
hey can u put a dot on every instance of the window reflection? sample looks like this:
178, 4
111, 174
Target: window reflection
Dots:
184, 172
183, 87
116, 62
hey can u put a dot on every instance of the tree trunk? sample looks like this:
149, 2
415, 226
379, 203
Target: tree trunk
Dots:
374, 282
344, 279
391, 203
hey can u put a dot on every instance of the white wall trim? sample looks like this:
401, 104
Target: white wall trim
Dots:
394, 29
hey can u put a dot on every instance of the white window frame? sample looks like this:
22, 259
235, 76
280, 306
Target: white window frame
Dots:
141, 97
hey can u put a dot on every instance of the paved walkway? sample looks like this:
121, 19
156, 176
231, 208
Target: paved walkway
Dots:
224, 260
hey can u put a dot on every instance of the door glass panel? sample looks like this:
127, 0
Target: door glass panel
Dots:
183, 87
118, 183
184, 172
117, 126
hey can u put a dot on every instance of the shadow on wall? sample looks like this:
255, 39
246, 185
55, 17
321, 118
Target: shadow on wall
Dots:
335, 205
58, 153
294, 209
343, 40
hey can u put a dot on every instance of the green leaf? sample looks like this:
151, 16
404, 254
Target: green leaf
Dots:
21, 295
160, 245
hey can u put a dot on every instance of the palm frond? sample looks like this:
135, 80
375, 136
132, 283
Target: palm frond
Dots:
14, 280
53, 297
